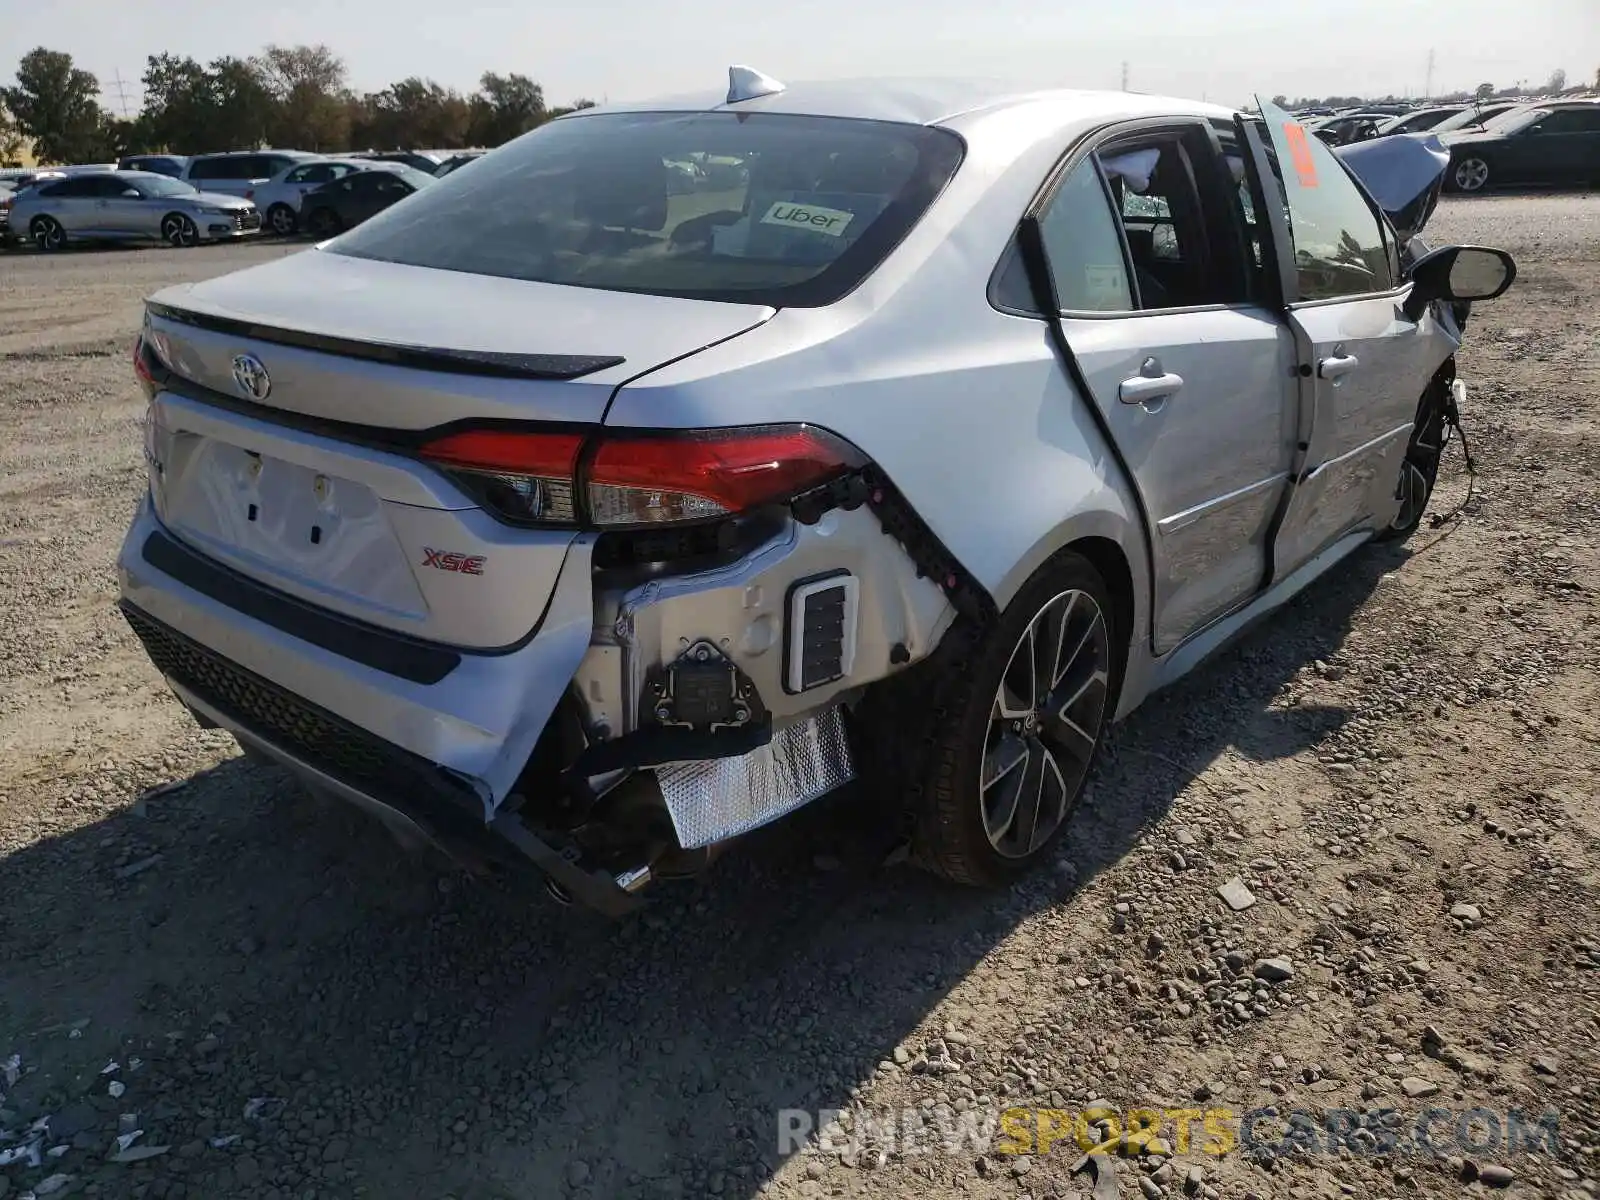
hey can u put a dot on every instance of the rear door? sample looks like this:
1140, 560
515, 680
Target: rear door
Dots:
365, 196
1362, 363
304, 179
72, 202
1188, 368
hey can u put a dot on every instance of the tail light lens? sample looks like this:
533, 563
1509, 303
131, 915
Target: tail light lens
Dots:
525, 477
631, 481
141, 366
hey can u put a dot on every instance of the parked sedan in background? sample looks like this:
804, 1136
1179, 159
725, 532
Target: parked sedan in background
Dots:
160, 164
351, 200
415, 159
1549, 144
7, 238
128, 205
280, 199
1417, 122
1477, 116
1348, 128
456, 161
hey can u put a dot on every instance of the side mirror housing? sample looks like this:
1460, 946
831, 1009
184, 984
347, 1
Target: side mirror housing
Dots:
1459, 273
131, 193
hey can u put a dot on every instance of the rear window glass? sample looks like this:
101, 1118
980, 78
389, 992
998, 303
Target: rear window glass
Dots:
758, 208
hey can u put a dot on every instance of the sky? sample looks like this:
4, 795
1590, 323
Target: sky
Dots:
1221, 50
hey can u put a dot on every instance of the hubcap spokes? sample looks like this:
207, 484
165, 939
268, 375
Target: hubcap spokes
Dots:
1044, 724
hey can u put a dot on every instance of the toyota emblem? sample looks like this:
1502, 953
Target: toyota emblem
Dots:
251, 376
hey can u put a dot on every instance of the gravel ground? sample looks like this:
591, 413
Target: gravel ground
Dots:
1399, 770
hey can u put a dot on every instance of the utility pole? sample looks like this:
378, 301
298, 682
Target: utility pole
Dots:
1428, 95
1124, 76
120, 91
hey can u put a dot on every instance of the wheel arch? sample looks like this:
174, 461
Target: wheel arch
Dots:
1115, 546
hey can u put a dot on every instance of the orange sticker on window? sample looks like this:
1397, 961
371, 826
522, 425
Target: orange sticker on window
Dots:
1305, 167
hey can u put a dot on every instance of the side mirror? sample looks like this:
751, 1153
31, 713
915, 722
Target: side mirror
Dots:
131, 193
1459, 273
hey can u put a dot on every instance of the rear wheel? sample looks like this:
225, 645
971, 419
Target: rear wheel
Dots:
1470, 174
1013, 749
323, 222
179, 230
48, 233
281, 220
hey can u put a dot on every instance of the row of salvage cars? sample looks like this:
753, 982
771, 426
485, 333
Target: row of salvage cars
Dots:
586, 512
1548, 143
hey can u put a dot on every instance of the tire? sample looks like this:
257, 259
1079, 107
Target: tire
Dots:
48, 234
987, 834
282, 221
179, 230
1470, 174
1420, 469
323, 223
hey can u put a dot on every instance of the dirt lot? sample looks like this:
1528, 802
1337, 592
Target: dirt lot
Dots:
1401, 768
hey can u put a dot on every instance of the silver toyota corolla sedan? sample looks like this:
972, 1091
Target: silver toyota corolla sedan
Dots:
586, 511
128, 205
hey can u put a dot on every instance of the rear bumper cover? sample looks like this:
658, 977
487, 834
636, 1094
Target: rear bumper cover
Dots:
336, 757
479, 722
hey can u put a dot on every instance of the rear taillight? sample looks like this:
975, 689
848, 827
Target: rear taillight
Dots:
634, 480
141, 366
521, 476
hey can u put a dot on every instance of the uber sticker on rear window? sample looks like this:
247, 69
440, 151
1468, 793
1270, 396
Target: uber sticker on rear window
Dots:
814, 217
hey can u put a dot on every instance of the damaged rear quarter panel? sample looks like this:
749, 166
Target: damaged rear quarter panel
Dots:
742, 608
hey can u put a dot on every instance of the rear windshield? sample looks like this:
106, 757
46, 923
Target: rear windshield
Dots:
757, 208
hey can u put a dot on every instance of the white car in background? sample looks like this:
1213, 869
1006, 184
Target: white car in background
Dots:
240, 172
280, 198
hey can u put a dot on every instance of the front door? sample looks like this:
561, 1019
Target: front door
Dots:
120, 210
1190, 376
1561, 147
1362, 363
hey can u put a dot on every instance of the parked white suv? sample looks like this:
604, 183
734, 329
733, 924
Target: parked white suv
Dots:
590, 510
239, 172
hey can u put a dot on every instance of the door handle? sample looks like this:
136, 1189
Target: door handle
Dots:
1337, 367
1142, 389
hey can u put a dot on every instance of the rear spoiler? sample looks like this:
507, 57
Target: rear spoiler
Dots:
1403, 173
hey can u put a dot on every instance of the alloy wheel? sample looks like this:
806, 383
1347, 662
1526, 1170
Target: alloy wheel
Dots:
1471, 174
48, 234
1045, 724
179, 230
282, 220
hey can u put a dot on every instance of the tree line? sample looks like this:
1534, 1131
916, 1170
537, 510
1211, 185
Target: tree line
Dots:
289, 96
1556, 83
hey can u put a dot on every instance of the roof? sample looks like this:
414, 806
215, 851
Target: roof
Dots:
913, 101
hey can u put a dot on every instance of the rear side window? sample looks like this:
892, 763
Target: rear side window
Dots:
760, 208
1082, 244
214, 168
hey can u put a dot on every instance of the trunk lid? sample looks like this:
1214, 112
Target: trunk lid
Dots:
289, 462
